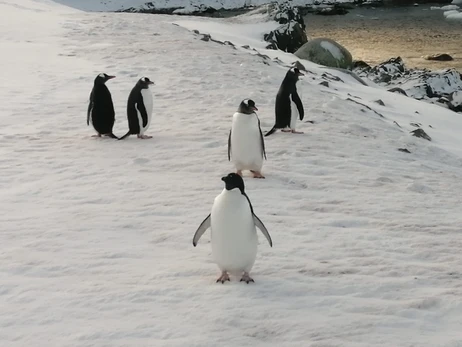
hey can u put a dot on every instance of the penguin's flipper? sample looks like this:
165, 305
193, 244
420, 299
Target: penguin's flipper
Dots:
259, 224
263, 151
142, 109
229, 146
201, 230
298, 102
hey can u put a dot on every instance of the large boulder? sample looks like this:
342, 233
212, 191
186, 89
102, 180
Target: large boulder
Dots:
326, 52
290, 35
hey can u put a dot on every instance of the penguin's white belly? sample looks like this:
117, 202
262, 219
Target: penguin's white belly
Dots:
148, 104
294, 114
246, 146
234, 236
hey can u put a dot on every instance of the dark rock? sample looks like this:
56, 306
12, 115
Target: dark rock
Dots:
405, 150
455, 101
417, 125
331, 10
397, 90
396, 123
272, 45
439, 57
324, 83
421, 133
380, 102
290, 35
195, 31
359, 64
246, 47
206, 37
286, 13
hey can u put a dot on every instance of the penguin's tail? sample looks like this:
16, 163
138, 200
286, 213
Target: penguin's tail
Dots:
112, 136
271, 131
126, 135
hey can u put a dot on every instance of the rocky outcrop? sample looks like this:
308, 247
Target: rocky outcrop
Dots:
439, 57
326, 52
290, 35
442, 86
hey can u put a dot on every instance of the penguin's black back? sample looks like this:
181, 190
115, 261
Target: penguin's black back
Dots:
102, 109
132, 114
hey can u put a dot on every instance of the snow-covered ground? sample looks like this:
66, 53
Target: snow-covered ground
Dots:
96, 233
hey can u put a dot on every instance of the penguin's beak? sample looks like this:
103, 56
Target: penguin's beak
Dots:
110, 77
254, 108
151, 82
301, 74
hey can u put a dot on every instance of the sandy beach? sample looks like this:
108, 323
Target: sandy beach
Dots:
375, 35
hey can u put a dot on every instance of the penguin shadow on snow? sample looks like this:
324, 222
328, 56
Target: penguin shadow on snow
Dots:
101, 114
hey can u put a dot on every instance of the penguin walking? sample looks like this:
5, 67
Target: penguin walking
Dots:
100, 111
139, 109
246, 145
233, 226
288, 106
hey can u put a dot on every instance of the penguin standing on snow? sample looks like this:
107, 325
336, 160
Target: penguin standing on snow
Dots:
288, 104
246, 145
233, 226
100, 111
139, 109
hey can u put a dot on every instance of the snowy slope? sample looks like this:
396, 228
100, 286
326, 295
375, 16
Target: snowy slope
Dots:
96, 233
114, 5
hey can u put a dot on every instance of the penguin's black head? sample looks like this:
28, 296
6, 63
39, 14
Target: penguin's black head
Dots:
103, 78
247, 106
294, 73
232, 181
144, 82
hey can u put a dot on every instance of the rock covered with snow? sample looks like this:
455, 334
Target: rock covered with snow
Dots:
290, 35
455, 101
326, 52
421, 84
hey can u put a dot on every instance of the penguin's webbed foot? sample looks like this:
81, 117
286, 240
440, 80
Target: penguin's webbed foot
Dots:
246, 278
296, 132
286, 130
257, 174
223, 278
97, 135
144, 137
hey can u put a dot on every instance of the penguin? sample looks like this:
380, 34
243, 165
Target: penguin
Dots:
100, 111
139, 109
246, 145
288, 104
233, 229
